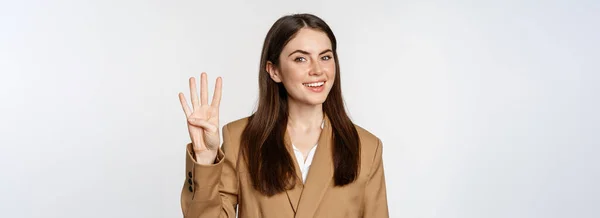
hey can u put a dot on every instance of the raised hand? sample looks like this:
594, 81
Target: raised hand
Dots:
203, 120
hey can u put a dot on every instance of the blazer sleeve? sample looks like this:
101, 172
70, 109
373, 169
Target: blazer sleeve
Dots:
211, 190
375, 202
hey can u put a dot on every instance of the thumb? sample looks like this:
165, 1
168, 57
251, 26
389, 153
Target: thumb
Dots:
207, 126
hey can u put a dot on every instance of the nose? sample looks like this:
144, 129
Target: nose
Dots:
316, 69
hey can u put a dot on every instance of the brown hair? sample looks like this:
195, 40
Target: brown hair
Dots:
270, 165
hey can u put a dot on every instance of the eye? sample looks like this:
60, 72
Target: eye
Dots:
300, 59
325, 58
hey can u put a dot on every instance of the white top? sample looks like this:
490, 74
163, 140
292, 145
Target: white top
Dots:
305, 165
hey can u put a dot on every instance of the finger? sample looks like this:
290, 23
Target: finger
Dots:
216, 101
203, 89
194, 93
204, 124
184, 105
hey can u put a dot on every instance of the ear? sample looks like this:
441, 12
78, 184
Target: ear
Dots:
273, 72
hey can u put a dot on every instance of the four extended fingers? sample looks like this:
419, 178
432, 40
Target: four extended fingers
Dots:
216, 101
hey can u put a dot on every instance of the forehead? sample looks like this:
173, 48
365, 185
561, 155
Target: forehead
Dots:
310, 40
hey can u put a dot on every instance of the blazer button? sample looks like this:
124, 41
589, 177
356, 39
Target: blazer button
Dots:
190, 181
191, 189
190, 174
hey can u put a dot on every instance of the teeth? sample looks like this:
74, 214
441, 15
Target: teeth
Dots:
317, 84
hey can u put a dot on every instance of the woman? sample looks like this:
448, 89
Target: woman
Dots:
299, 154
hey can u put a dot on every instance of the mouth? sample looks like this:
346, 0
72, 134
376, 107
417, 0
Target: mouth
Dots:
315, 86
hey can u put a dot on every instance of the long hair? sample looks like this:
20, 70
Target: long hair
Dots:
270, 165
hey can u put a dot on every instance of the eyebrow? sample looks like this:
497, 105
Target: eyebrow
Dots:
306, 53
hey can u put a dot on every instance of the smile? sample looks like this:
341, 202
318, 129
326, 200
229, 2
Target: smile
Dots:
316, 87
315, 84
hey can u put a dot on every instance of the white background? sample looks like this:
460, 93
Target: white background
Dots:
486, 108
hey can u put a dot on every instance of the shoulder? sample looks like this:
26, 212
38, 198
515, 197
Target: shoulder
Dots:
236, 127
367, 139
232, 133
371, 146
370, 140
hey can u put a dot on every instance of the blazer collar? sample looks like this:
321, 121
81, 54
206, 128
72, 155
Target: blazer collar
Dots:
305, 198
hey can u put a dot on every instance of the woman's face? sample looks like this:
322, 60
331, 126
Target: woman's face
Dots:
306, 67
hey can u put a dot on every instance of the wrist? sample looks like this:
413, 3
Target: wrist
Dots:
207, 157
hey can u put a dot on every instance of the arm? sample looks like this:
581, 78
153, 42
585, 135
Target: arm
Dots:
211, 190
375, 202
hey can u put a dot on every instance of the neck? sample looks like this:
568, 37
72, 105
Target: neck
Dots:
303, 116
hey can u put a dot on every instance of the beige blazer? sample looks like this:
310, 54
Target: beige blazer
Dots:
215, 190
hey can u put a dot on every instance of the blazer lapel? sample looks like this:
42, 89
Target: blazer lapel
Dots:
294, 194
319, 176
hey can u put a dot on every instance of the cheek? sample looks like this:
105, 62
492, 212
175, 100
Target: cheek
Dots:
293, 74
331, 70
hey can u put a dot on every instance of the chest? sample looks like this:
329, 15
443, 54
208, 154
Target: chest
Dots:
331, 202
304, 141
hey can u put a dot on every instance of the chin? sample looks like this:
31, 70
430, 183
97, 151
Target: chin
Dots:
316, 101
311, 98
